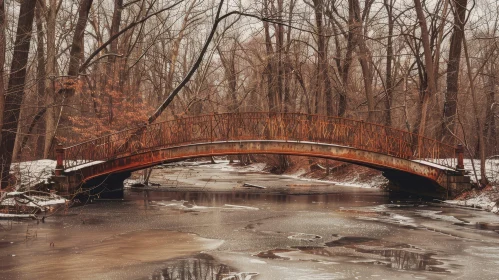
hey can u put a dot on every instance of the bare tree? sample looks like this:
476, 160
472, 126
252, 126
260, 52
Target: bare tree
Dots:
430, 89
2, 60
15, 89
50, 98
453, 69
389, 59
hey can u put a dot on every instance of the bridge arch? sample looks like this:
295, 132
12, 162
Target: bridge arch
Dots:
151, 158
376, 146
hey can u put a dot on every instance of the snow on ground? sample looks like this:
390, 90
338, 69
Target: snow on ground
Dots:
482, 201
348, 183
232, 206
31, 173
224, 165
17, 216
36, 200
491, 167
351, 181
437, 215
128, 183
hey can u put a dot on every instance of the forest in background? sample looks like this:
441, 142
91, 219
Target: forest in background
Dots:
75, 70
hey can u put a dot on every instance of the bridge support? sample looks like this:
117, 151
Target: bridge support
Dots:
59, 168
460, 159
109, 186
410, 183
447, 185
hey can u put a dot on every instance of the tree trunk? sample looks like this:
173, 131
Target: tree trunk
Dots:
347, 62
364, 57
450, 105
389, 59
2, 61
490, 124
36, 127
76, 53
279, 29
481, 139
229, 66
40, 77
15, 89
75, 57
431, 88
50, 122
323, 82
269, 69
111, 70
288, 65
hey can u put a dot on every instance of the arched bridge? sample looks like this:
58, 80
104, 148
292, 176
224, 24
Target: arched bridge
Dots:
396, 152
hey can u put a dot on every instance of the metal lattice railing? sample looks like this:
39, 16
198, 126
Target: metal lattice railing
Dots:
262, 126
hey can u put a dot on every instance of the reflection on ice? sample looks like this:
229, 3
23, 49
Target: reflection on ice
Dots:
393, 255
399, 256
406, 259
199, 267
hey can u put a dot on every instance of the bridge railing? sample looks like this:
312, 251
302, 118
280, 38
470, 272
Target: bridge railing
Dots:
262, 126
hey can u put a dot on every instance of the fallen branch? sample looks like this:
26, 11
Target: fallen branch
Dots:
4, 216
253, 186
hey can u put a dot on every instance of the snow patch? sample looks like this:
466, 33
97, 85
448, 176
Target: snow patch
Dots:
231, 206
81, 166
36, 200
224, 165
481, 201
17, 216
32, 173
352, 181
491, 167
436, 215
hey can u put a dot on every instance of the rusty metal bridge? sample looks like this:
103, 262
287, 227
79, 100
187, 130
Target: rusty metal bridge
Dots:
368, 144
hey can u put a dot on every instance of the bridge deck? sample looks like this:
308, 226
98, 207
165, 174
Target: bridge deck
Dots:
262, 126
398, 153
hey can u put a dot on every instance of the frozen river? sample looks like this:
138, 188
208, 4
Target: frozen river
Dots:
180, 231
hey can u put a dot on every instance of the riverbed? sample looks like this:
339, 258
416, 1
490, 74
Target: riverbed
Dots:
201, 223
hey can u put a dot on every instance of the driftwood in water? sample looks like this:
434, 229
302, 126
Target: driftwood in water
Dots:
253, 186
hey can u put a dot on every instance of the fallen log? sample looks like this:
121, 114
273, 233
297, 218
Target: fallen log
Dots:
253, 186
4, 216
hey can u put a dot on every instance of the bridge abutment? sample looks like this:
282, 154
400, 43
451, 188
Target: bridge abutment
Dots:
110, 186
447, 186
